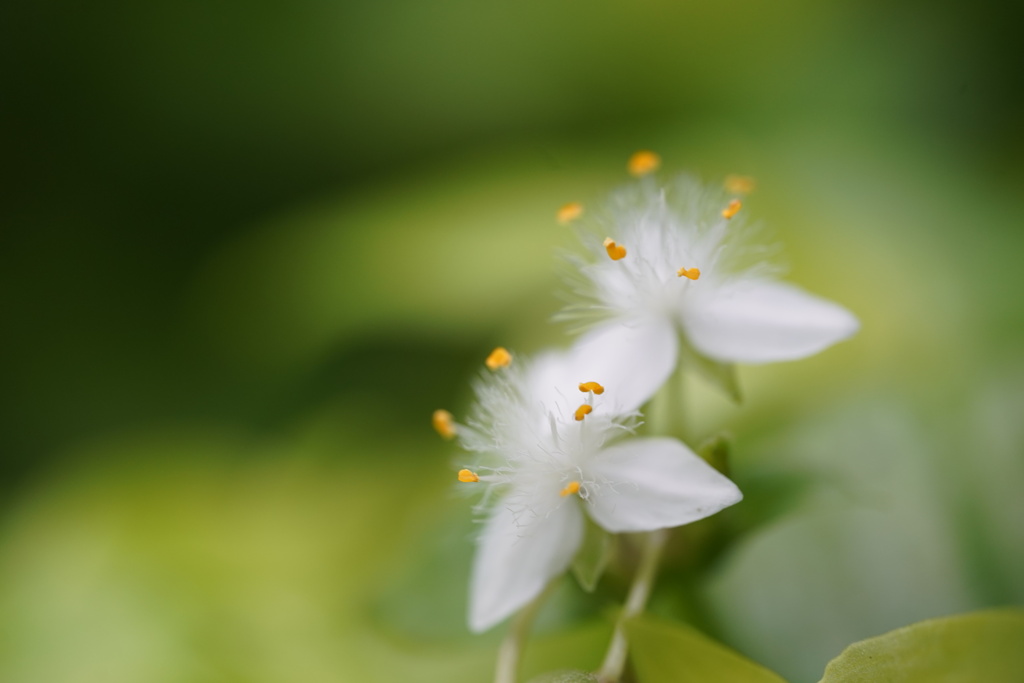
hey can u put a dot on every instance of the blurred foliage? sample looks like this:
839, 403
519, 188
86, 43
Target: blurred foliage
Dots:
671, 653
247, 248
983, 646
565, 677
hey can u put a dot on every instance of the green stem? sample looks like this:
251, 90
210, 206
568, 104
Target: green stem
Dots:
615, 659
511, 651
664, 419
664, 412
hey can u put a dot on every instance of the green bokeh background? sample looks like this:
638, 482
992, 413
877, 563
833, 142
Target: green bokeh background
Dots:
247, 248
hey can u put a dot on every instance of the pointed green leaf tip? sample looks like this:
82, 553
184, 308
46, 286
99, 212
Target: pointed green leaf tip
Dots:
565, 677
982, 646
715, 452
667, 652
593, 556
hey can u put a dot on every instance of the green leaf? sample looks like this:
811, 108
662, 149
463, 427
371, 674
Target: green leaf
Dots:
981, 646
720, 375
667, 652
572, 650
593, 556
715, 451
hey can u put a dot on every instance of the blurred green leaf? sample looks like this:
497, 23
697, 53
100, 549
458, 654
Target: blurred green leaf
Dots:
868, 549
715, 451
455, 255
566, 649
565, 677
768, 494
981, 646
593, 557
665, 652
427, 601
206, 556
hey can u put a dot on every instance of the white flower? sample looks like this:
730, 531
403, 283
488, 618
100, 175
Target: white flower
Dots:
550, 450
673, 264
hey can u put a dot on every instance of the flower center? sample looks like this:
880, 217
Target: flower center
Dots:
583, 411
590, 389
691, 273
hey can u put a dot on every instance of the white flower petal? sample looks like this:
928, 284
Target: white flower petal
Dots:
551, 383
631, 359
655, 483
517, 556
761, 321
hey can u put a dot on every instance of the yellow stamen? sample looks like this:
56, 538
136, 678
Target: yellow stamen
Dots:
591, 386
740, 184
692, 273
499, 358
443, 424
570, 212
468, 476
734, 208
615, 251
571, 488
643, 162
583, 411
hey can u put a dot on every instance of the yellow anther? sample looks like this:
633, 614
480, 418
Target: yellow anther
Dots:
692, 273
643, 162
740, 184
734, 208
468, 476
570, 212
615, 251
443, 424
591, 386
583, 411
499, 358
571, 488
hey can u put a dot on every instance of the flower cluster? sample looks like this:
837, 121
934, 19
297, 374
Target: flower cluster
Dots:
678, 273
552, 440
550, 449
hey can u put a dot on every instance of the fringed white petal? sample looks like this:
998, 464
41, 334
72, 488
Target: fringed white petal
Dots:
631, 359
517, 555
655, 483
